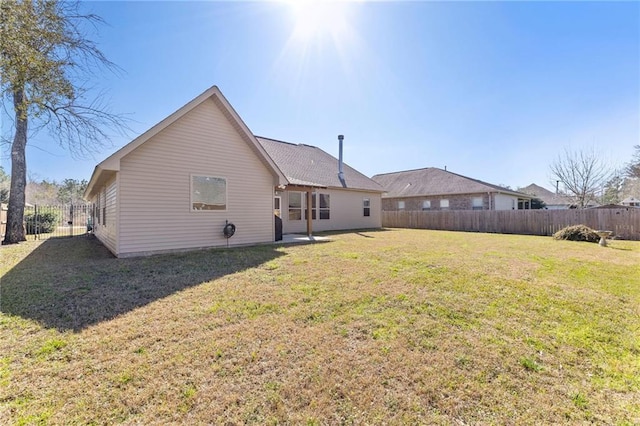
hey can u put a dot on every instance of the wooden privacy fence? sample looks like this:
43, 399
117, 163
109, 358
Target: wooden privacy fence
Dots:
624, 222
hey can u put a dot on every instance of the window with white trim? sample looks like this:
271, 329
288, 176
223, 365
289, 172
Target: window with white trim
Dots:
208, 193
444, 204
295, 205
426, 205
477, 203
400, 205
277, 203
324, 206
366, 207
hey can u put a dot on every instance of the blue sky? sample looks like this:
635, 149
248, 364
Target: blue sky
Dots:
492, 90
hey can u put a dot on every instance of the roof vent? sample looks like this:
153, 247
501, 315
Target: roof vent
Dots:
340, 171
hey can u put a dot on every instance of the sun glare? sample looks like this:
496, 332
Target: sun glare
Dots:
323, 35
315, 19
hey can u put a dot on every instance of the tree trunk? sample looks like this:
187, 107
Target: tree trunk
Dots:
15, 214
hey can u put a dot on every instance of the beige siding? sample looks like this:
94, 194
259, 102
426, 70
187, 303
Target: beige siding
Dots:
155, 180
107, 231
346, 212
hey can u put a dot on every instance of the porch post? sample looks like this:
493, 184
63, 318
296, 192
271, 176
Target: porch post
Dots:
309, 207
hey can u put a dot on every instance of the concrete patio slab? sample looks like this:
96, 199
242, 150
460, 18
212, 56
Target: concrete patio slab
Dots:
301, 238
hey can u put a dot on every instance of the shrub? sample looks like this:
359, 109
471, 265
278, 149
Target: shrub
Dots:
46, 222
577, 233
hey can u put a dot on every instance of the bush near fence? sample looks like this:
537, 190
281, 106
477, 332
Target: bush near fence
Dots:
45, 222
623, 222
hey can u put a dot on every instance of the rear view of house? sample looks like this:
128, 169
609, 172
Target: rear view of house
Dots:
179, 184
436, 189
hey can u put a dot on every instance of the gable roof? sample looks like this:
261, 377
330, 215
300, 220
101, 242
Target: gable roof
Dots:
432, 181
548, 197
107, 168
308, 165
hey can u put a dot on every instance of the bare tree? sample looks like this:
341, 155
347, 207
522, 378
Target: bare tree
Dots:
632, 170
583, 174
46, 59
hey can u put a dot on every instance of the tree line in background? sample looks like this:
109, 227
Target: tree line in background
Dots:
46, 192
586, 176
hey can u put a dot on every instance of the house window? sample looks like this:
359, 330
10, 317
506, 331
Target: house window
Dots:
295, 205
277, 210
104, 216
324, 210
426, 205
366, 207
477, 203
400, 205
208, 193
444, 204
98, 208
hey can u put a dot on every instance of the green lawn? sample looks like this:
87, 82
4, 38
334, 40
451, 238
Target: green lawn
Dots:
386, 327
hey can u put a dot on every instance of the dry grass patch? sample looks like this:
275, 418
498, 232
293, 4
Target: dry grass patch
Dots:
401, 326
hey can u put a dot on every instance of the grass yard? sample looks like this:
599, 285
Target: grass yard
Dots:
386, 327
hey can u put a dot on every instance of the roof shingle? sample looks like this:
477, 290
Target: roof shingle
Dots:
432, 181
548, 197
310, 166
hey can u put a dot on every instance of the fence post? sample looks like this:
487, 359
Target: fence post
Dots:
36, 223
71, 220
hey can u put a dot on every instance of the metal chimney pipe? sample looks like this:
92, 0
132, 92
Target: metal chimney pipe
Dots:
340, 172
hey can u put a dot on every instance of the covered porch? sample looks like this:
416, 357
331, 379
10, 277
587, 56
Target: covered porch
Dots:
306, 213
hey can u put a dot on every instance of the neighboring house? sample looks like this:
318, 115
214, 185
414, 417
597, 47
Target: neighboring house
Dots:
631, 202
552, 200
176, 186
436, 189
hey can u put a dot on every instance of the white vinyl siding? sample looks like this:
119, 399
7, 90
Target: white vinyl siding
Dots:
155, 187
106, 208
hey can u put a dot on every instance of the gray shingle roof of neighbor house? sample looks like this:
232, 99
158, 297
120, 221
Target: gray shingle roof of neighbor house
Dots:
308, 165
432, 181
549, 198
630, 201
